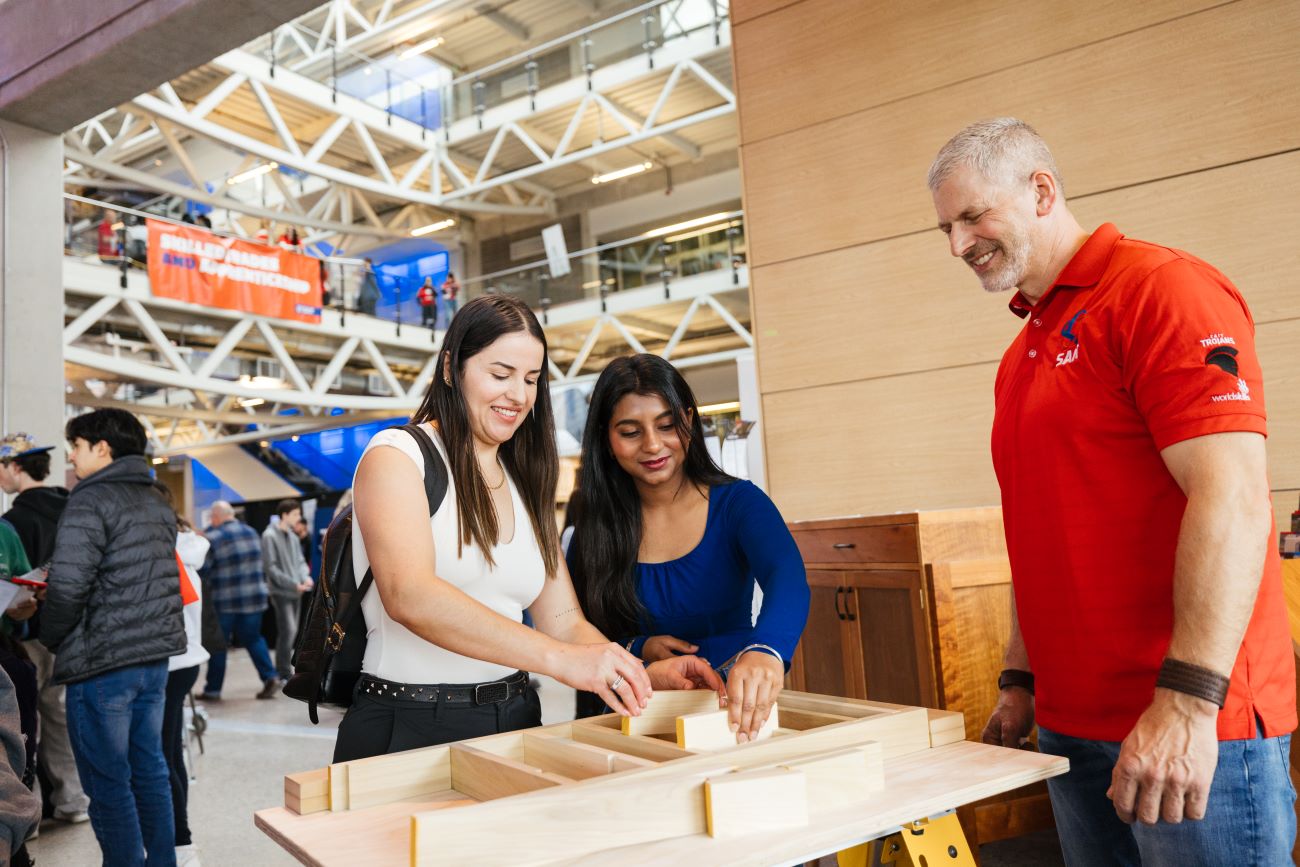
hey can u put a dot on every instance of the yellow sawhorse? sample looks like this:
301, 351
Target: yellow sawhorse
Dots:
936, 842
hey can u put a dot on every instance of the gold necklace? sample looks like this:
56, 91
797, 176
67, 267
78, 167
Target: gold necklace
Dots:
498, 485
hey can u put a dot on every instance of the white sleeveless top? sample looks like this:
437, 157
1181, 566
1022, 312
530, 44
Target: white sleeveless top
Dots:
395, 653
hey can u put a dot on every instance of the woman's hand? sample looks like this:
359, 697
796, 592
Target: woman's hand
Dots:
686, 672
753, 685
594, 667
659, 647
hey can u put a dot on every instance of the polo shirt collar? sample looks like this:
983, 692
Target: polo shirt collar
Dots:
1084, 269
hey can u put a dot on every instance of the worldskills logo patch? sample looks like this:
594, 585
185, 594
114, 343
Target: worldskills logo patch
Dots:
1225, 358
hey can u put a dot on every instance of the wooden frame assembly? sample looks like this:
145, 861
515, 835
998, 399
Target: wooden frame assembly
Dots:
589, 786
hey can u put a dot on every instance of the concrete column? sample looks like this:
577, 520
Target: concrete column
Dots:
31, 286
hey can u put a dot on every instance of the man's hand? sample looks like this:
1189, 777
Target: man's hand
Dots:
659, 647
1012, 719
685, 672
1166, 764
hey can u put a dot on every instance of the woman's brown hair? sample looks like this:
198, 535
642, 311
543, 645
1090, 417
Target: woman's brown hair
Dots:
529, 456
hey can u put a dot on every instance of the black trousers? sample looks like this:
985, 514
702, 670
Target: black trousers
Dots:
179, 684
379, 725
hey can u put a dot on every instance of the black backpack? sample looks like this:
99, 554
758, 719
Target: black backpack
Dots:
327, 659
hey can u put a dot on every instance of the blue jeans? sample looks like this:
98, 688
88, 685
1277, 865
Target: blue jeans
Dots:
115, 725
247, 630
1250, 818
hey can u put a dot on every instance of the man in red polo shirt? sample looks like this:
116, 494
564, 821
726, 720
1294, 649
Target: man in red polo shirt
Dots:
1128, 438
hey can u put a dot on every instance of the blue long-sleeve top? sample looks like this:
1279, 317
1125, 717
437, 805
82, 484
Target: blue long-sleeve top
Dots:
706, 596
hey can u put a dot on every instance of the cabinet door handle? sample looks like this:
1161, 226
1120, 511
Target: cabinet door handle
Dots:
838, 613
848, 612
840, 546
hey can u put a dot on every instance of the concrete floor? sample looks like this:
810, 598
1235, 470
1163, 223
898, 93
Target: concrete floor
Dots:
250, 745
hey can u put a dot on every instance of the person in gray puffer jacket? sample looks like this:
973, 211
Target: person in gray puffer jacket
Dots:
20, 807
112, 617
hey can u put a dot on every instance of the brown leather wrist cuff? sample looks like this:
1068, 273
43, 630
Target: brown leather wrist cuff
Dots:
1193, 680
1016, 677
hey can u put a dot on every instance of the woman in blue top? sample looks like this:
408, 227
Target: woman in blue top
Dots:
667, 547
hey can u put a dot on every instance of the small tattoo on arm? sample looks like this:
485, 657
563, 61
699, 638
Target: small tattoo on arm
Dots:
565, 613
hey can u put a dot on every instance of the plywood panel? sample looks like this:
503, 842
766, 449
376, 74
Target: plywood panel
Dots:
921, 441
747, 10
902, 443
1201, 91
906, 305
1278, 344
881, 52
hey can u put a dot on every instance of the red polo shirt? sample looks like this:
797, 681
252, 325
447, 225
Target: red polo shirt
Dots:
1136, 347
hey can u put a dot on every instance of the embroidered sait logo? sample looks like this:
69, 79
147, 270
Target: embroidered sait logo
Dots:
1068, 331
1224, 357
1070, 355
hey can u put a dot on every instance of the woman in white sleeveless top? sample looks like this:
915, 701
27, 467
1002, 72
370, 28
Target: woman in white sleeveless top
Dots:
448, 655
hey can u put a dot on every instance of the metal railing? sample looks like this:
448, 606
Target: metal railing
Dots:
435, 100
712, 243
116, 235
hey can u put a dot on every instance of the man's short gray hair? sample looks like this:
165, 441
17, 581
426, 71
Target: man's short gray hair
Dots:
222, 507
1003, 150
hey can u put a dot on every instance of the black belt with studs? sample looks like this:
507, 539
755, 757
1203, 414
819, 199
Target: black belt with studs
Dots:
469, 694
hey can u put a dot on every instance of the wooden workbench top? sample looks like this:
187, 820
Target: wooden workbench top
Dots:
921, 784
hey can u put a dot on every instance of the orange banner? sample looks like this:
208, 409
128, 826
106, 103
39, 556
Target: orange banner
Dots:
189, 264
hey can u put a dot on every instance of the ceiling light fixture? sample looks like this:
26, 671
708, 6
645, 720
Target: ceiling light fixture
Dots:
252, 173
622, 173
433, 227
252, 401
689, 224
410, 51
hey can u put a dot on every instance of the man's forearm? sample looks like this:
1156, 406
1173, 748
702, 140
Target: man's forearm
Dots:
1016, 657
1220, 558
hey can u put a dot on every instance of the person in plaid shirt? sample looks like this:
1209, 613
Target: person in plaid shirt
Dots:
233, 571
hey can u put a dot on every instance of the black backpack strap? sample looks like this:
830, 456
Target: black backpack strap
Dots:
435, 491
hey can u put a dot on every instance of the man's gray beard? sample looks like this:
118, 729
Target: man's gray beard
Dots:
1012, 274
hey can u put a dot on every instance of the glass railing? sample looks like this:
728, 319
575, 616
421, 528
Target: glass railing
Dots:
117, 236
421, 90
707, 244
638, 32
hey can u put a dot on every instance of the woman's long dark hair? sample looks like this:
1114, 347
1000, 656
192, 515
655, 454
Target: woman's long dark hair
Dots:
530, 455
607, 534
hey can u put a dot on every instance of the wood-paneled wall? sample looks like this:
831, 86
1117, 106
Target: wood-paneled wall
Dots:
1178, 120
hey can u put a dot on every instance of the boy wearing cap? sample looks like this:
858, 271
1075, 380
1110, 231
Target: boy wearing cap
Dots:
35, 513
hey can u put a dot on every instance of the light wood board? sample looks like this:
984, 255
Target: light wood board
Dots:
920, 784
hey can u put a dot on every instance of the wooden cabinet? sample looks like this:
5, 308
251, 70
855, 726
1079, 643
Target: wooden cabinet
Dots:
915, 609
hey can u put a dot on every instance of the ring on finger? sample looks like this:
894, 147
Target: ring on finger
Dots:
617, 682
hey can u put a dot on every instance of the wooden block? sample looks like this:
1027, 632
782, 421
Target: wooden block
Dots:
633, 745
712, 731
307, 791
485, 777
396, 777
660, 715
946, 726
755, 802
841, 777
567, 758
338, 787
800, 720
